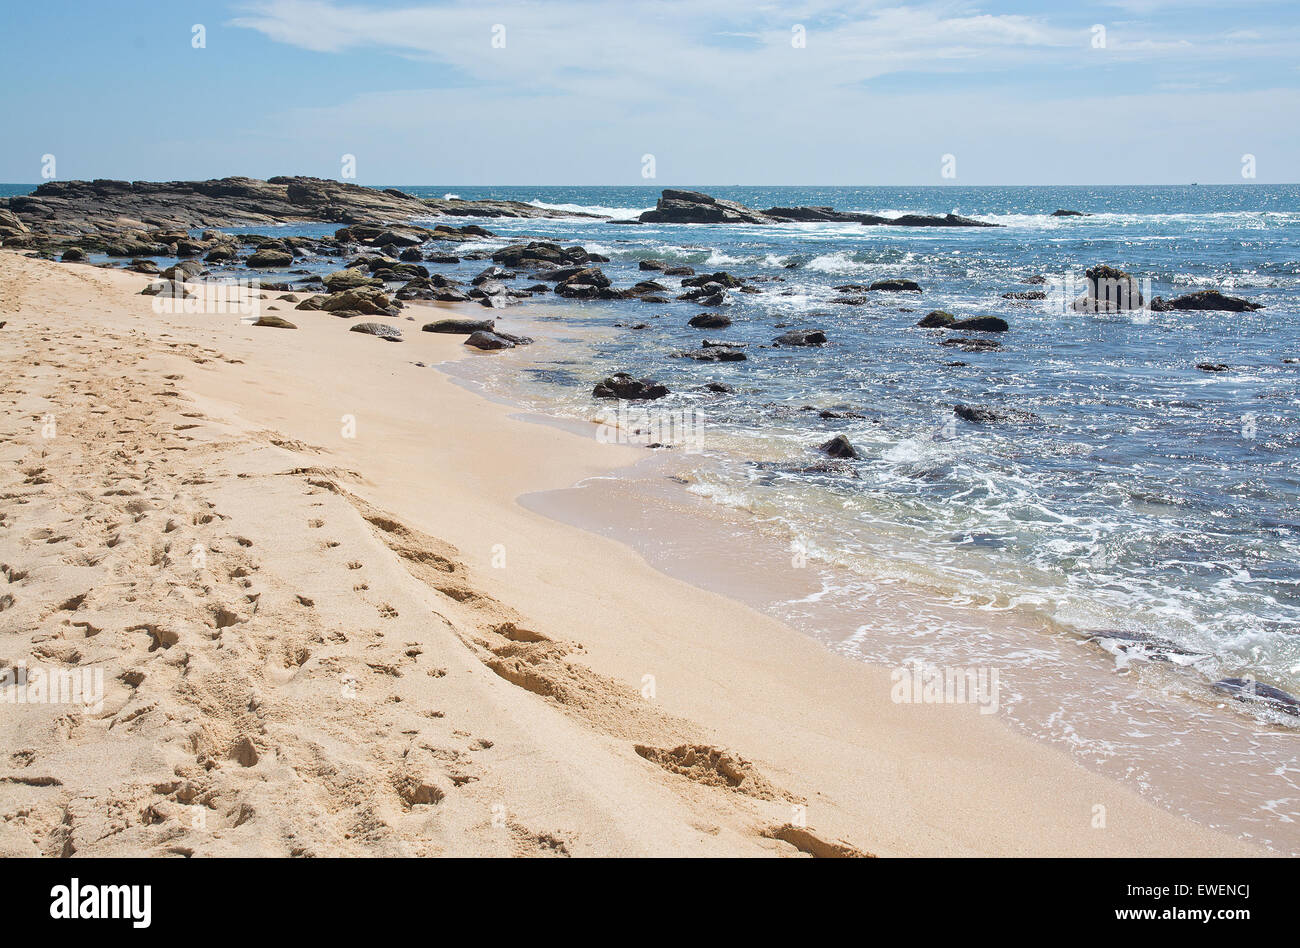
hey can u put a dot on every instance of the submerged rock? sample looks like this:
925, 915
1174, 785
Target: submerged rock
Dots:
1255, 692
712, 354
967, 344
1205, 300
801, 337
981, 415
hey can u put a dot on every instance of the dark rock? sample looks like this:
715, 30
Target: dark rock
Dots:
486, 339
74, 255
712, 354
624, 386
980, 415
801, 337
1255, 692
937, 319
931, 220
1109, 290
967, 344
693, 207
460, 326
441, 258
1064, 213
1212, 366
650, 265
710, 321
840, 447
719, 388
1206, 300
679, 271
721, 278
1025, 295
493, 273
982, 324
896, 286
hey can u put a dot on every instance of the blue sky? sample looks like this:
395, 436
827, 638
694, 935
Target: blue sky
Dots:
718, 91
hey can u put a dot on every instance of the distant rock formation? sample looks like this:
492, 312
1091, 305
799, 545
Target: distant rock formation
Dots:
695, 207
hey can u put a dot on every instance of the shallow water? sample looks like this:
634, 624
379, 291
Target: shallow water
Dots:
1148, 495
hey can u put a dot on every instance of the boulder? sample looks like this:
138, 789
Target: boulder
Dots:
382, 330
840, 447
801, 337
1109, 290
710, 321
74, 255
896, 286
270, 258
460, 326
275, 322
937, 319
349, 279
982, 324
624, 386
486, 339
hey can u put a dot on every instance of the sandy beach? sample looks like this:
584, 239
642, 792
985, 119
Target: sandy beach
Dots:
327, 627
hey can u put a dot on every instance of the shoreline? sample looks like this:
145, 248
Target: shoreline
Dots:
1148, 723
888, 779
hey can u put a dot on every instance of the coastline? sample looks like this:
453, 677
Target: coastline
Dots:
440, 461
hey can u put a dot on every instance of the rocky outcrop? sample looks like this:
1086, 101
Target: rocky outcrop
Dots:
123, 207
695, 207
1205, 300
624, 386
455, 207
1108, 290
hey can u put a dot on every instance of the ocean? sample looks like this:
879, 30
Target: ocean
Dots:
1147, 495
